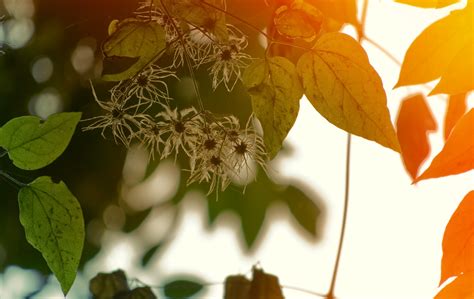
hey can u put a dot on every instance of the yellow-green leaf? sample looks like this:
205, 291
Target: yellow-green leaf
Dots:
444, 49
275, 92
54, 225
199, 13
345, 89
134, 39
32, 144
295, 23
343, 11
428, 3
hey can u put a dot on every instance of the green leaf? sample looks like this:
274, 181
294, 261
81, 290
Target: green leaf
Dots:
304, 210
251, 207
134, 39
346, 90
151, 252
54, 225
275, 92
33, 144
179, 289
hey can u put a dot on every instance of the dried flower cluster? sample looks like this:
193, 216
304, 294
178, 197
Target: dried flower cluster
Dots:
218, 149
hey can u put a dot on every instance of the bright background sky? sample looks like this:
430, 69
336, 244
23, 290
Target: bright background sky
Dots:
394, 231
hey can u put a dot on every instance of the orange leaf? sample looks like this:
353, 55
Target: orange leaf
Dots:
413, 123
444, 49
458, 240
456, 108
457, 155
461, 288
428, 3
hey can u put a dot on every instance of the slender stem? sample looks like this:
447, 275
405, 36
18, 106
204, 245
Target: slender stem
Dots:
188, 62
3, 153
382, 49
237, 18
344, 218
303, 291
363, 18
12, 179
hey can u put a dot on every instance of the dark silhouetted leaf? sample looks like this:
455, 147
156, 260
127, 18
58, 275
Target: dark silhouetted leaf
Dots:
180, 289
264, 286
138, 293
304, 210
251, 206
150, 253
236, 287
108, 285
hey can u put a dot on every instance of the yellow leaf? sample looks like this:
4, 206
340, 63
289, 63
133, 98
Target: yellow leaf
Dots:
428, 3
445, 49
295, 23
342, 85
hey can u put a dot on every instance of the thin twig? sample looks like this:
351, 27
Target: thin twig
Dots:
344, 218
382, 49
188, 62
12, 179
303, 291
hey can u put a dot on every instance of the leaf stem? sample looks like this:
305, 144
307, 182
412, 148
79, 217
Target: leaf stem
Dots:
188, 62
344, 218
3, 153
12, 179
381, 49
303, 291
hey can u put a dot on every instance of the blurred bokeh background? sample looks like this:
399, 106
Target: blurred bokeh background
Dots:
142, 218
